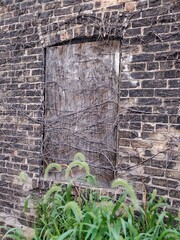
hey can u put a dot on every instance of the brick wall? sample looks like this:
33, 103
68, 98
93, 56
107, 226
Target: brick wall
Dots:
149, 97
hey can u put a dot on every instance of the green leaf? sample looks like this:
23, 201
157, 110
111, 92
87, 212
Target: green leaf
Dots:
64, 235
13, 233
170, 233
68, 193
123, 223
26, 203
119, 203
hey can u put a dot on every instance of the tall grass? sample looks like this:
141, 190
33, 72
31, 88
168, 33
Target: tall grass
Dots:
91, 216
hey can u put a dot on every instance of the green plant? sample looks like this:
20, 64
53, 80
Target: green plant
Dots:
88, 215
98, 217
13, 233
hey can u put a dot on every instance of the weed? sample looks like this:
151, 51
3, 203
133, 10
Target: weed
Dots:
91, 216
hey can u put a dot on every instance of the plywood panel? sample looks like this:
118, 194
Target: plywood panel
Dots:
81, 103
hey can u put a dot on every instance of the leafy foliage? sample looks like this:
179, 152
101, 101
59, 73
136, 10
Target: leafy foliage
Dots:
92, 216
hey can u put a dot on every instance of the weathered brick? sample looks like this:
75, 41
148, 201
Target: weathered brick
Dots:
152, 66
173, 174
177, 64
148, 84
148, 127
128, 134
133, 32
174, 194
175, 7
84, 7
144, 22
167, 19
154, 84
135, 126
143, 58
154, 3
167, 93
174, 83
175, 46
71, 2
165, 182
63, 11
172, 102
149, 101
142, 75
141, 93
53, 5
155, 48
166, 65
176, 204
142, 4
157, 29
160, 191
155, 118
167, 56
138, 67
139, 110
170, 37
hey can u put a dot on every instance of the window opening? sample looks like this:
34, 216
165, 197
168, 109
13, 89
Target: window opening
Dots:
81, 104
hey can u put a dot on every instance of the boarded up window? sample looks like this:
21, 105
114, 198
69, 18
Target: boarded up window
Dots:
81, 104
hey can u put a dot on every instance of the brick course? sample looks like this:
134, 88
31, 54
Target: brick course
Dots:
149, 87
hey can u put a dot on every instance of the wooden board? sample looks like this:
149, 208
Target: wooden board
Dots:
81, 104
